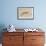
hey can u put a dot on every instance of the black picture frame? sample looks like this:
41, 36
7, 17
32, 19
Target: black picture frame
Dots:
25, 13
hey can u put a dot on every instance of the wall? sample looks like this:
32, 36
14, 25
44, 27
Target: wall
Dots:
8, 13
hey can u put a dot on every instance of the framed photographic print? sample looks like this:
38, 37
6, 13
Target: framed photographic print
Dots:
25, 13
